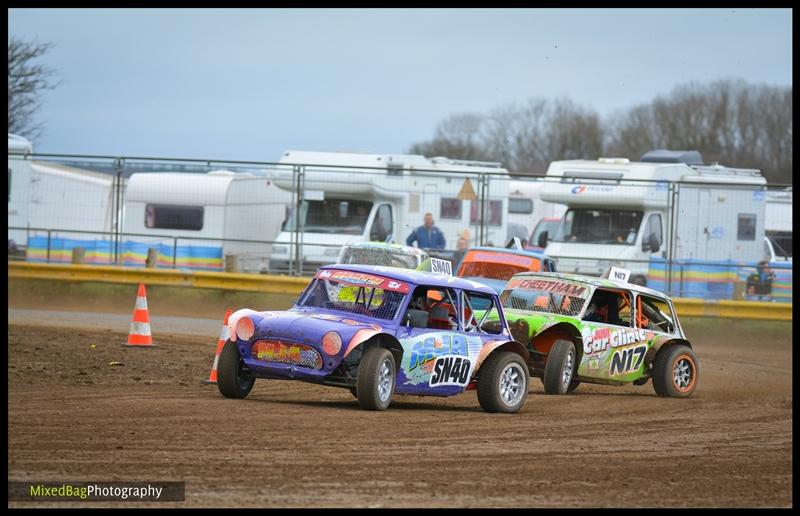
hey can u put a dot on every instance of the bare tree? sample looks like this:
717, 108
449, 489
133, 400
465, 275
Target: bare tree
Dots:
458, 137
731, 122
26, 81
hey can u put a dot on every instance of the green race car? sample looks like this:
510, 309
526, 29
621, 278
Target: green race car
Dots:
595, 330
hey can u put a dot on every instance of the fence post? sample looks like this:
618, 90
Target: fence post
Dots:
48, 245
152, 258
174, 252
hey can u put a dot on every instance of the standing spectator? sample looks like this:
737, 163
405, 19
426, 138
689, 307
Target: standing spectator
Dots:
427, 236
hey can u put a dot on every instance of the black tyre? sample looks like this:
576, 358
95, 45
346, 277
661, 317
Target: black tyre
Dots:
503, 382
354, 392
676, 372
572, 385
232, 381
376, 377
560, 368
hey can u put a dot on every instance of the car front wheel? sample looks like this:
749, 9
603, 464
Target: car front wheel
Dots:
232, 381
376, 378
676, 372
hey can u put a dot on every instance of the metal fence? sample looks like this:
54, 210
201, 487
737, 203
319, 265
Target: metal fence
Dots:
716, 239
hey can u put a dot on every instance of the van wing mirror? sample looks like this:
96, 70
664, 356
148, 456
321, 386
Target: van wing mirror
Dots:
542, 242
651, 243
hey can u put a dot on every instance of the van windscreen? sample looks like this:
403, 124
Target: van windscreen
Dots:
599, 226
340, 216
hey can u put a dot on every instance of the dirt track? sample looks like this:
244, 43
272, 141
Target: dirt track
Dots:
74, 417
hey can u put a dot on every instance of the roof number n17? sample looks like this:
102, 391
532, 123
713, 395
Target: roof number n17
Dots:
441, 266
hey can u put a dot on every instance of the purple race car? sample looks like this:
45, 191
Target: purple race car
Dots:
379, 331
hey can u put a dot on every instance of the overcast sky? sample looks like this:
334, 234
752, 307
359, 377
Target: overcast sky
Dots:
248, 84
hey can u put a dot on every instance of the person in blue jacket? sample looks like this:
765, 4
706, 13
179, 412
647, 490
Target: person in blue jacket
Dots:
427, 236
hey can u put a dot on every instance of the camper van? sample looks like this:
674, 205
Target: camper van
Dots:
778, 225
613, 220
198, 209
354, 197
526, 207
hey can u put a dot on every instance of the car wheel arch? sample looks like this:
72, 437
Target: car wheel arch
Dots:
664, 345
510, 345
383, 340
559, 331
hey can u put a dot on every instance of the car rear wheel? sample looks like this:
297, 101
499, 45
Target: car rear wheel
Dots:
503, 382
676, 372
376, 379
560, 368
232, 380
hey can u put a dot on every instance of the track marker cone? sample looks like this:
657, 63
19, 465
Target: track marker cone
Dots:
139, 336
223, 337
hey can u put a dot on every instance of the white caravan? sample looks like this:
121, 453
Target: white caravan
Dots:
612, 220
356, 197
194, 207
526, 207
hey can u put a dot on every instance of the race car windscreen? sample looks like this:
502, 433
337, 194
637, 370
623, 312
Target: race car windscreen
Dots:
377, 256
331, 294
549, 296
491, 270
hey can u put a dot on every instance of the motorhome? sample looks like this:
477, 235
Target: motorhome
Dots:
668, 207
194, 220
526, 207
778, 225
354, 197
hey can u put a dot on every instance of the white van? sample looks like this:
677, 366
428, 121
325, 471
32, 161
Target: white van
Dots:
526, 207
356, 197
612, 220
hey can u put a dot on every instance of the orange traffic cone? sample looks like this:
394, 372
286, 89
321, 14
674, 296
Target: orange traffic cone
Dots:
139, 336
223, 336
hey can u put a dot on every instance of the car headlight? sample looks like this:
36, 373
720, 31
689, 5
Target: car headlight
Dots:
331, 343
280, 249
331, 252
245, 328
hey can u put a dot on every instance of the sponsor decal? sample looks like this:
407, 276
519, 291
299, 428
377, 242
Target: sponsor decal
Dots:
600, 339
577, 190
627, 360
451, 370
557, 287
359, 279
294, 354
426, 350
